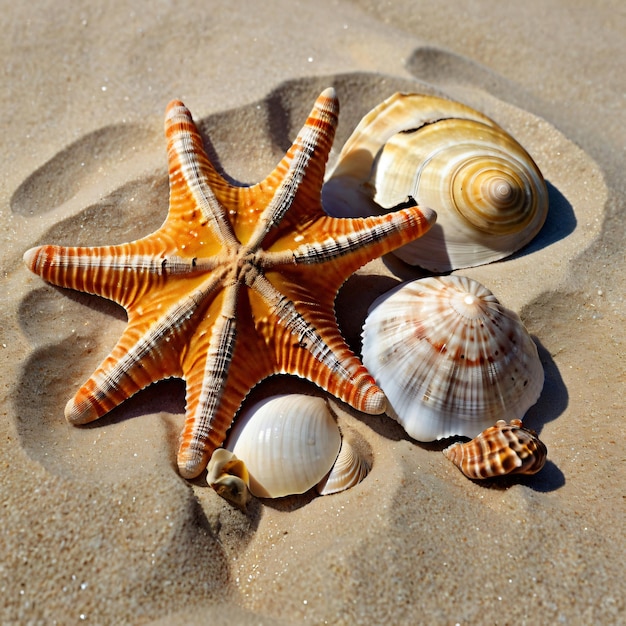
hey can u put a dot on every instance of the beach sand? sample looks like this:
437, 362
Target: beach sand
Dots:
97, 525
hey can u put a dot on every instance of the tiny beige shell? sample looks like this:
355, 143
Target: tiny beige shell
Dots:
498, 451
229, 477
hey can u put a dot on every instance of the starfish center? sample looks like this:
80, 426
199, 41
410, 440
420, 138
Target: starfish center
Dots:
247, 266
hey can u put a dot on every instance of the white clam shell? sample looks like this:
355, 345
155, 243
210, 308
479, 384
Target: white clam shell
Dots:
450, 358
489, 195
290, 443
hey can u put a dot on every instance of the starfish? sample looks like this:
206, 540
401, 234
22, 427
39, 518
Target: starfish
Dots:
238, 284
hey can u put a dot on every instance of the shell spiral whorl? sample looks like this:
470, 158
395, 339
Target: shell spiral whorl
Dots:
489, 196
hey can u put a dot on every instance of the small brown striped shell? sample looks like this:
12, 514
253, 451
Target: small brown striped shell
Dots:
498, 451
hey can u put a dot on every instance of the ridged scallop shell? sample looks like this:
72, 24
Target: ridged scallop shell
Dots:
498, 451
450, 358
289, 444
489, 195
348, 470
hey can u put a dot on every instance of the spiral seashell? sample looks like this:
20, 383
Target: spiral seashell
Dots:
450, 358
287, 444
489, 195
498, 451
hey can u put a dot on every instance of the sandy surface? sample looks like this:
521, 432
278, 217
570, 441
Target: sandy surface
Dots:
96, 524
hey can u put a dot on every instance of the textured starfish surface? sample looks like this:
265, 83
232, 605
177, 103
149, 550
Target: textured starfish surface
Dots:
238, 284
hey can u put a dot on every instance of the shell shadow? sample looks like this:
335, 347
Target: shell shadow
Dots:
552, 402
359, 292
554, 397
560, 222
353, 302
548, 478
289, 503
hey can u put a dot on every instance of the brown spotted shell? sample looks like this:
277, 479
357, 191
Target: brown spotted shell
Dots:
498, 451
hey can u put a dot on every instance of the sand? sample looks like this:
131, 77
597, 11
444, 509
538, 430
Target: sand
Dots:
98, 527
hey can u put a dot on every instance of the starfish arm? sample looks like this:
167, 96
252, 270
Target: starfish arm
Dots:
301, 171
354, 241
103, 271
317, 351
193, 178
135, 362
219, 373
148, 351
124, 273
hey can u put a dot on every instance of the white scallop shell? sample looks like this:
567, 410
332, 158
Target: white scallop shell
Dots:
489, 195
450, 358
290, 443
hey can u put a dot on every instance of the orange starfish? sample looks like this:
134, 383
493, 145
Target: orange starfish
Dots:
238, 284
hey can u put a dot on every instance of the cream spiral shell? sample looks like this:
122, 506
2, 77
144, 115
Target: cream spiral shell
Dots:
489, 195
450, 358
286, 444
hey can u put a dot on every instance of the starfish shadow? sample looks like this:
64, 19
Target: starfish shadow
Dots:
51, 304
62, 176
